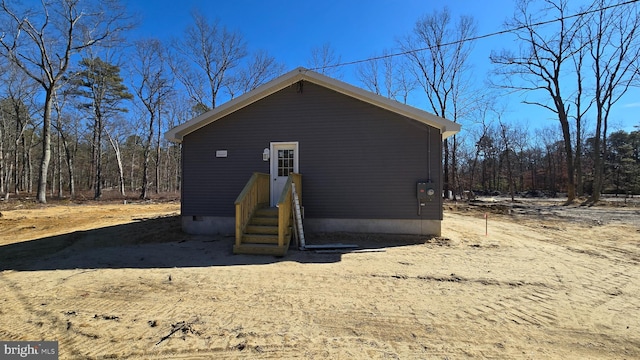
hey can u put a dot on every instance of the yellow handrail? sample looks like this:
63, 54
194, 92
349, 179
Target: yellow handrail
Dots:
297, 179
254, 193
285, 207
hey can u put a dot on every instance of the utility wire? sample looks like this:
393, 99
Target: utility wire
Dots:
474, 38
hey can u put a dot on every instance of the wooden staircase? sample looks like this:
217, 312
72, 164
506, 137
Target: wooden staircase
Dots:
261, 235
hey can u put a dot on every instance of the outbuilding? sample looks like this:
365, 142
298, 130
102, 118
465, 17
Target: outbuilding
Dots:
361, 163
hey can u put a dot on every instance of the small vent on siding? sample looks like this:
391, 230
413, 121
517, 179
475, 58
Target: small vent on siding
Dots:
299, 86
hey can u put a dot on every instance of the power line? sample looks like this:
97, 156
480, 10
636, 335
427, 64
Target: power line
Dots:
474, 38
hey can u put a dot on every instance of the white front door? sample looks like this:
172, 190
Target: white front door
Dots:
284, 160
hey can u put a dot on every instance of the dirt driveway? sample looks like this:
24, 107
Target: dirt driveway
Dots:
122, 281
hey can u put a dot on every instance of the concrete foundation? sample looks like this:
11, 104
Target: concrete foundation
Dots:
211, 225
208, 225
380, 226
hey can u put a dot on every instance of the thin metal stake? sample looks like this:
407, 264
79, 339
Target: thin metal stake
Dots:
486, 224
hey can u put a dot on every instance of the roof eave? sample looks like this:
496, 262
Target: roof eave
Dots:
447, 128
177, 133
450, 132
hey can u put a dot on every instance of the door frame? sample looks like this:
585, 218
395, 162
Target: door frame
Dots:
273, 162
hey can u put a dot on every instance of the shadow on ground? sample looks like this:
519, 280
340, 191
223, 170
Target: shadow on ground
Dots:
160, 243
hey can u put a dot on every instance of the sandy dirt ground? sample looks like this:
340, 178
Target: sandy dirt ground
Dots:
121, 281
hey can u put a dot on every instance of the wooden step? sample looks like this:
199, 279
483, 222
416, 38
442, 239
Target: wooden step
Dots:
260, 249
261, 229
266, 212
260, 238
269, 220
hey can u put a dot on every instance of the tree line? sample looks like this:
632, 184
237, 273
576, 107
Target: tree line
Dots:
76, 118
575, 63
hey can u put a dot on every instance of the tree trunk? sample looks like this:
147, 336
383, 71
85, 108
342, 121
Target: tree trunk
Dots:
578, 162
16, 175
26, 166
507, 152
91, 179
29, 175
60, 182
178, 168
116, 149
445, 187
510, 175
473, 170
600, 150
69, 158
52, 173
132, 177
46, 148
145, 163
454, 168
158, 155
484, 176
534, 184
2, 162
145, 172
566, 133
598, 163
98, 155
522, 170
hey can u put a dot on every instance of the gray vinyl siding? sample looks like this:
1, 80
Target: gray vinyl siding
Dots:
357, 161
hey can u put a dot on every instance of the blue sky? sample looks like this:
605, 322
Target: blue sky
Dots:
289, 30
355, 29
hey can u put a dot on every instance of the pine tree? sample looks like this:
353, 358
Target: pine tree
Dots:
100, 85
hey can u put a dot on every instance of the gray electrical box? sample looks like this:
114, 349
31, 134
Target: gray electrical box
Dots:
425, 191
422, 191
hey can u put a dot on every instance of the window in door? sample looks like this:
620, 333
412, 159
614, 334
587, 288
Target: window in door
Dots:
285, 162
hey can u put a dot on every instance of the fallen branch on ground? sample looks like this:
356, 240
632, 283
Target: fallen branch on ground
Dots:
185, 327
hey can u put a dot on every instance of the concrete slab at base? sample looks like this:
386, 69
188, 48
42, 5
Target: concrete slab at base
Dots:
208, 225
211, 225
381, 226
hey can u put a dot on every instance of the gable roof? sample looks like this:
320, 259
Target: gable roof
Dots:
447, 128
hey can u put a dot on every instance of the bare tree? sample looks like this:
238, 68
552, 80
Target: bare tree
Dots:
64, 125
4, 174
177, 111
484, 119
507, 151
152, 87
582, 106
614, 47
441, 70
115, 131
406, 83
100, 91
261, 68
19, 92
206, 54
540, 65
324, 60
368, 73
42, 42
387, 76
